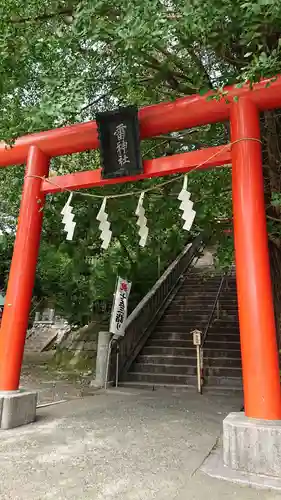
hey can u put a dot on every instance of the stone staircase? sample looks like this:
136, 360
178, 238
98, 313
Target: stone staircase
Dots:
168, 358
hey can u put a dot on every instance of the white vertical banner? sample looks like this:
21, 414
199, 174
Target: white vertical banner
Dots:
120, 307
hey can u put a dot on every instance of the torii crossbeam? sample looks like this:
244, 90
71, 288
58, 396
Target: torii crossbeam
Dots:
260, 365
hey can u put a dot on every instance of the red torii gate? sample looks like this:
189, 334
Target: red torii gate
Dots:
260, 364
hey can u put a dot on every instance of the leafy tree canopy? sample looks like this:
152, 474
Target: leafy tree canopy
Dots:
61, 61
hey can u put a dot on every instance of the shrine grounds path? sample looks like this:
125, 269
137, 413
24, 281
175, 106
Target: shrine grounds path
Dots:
120, 445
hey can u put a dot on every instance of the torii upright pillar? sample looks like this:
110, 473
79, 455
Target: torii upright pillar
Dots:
252, 441
260, 365
16, 407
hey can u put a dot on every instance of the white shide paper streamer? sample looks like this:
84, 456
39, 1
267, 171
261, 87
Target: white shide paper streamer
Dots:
186, 206
141, 222
67, 220
104, 226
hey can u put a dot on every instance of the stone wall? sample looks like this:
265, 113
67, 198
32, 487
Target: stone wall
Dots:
79, 348
46, 334
72, 346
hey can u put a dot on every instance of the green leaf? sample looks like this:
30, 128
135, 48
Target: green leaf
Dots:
204, 90
276, 199
58, 69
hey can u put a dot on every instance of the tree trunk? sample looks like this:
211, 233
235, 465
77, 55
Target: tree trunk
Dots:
271, 136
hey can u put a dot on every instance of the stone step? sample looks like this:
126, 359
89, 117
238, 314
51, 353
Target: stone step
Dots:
181, 337
197, 302
214, 283
171, 335
166, 331
228, 328
224, 391
199, 277
201, 298
228, 324
224, 382
228, 372
230, 333
187, 360
221, 345
178, 388
181, 381
215, 371
190, 305
212, 351
170, 317
186, 318
166, 359
185, 334
187, 309
231, 305
169, 357
225, 320
185, 328
226, 316
153, 387
199, 308
194, 293
166, 342
222, 362
193, 283
176, 333
162, 378
223, 337
180, 328
198, 274
189, 288
187, 323
163, 369
169, 350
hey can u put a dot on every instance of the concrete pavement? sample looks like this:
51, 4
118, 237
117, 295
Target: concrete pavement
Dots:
124, 444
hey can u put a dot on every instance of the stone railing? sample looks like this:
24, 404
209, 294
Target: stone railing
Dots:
144, 317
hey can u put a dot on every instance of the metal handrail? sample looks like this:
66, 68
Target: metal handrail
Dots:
142, 320
200, 355
213, 310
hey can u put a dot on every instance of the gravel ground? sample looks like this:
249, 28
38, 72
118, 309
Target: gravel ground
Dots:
51, 383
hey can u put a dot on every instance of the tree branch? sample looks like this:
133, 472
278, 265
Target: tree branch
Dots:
273, 218
125, 249
155, 146
181, 138
42, 17
98, 99
198, 61
169, 75
169, 138
174, 58
274, 240
166, 73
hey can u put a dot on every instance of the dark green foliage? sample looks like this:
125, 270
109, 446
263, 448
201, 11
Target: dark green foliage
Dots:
62, 61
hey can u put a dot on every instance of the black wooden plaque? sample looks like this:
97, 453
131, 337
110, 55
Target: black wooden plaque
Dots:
119, 142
